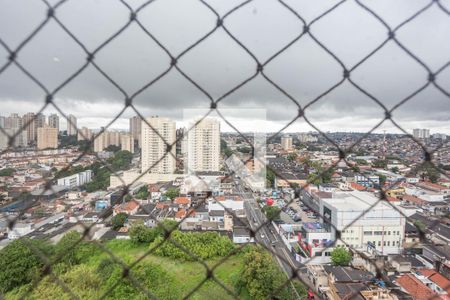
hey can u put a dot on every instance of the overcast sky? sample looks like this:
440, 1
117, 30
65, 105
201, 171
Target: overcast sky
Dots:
218, 63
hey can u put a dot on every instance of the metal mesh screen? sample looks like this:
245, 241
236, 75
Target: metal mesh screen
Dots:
305, 29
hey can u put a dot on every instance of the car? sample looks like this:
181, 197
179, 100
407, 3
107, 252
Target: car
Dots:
262, 235
273, 244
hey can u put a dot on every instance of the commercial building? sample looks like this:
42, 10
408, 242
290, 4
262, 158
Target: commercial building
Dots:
71, 125
47, 137
203, 146
135, 128
286, 143
154, 148
53, 121
76, 180
364, 224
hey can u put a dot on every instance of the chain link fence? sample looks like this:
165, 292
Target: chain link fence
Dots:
306, 29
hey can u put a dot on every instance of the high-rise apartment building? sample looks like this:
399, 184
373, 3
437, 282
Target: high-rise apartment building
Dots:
203, 146
135, 128
286, 142
40, 120
47, 137
84, 134
71, 125
13, 121
421, 133
53, 121
113, 138
19, 141
101, 141
2, 121
154, 148
29, 121
127, 142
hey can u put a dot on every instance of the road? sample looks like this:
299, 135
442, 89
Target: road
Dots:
267, 235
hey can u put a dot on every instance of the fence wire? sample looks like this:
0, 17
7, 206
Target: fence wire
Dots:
306, 29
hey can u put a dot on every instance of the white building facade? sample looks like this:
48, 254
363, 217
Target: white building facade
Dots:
363, 223
154, 147
203, 146
76, 180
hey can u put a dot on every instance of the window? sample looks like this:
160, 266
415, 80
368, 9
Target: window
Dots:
389, 233
318, 254
384, 243
388, 243
368, 232
379, 243
378, 232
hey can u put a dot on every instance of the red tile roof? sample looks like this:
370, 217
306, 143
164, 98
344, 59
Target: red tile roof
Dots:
415, 287
437, 278
357, 187
182, 200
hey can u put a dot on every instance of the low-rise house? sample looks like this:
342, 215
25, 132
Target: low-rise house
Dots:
129, 208
242, 235
416, 288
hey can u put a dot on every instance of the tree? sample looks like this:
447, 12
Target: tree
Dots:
394, 169
112, 148
292, 157
19, 264
270, 177
420, 225
68, 247
272, 212
119, 220
340, 256
142, 193
140, 234
7, 172
262, 278
172, 193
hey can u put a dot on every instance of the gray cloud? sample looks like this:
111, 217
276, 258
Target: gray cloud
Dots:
218, 64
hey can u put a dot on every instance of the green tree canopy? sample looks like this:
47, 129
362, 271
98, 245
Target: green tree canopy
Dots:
172, 193
263, 279
19, 264
340, 256
7, 172
119, 220
272, 212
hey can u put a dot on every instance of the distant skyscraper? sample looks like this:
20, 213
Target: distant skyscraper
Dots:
84, 134
71, 125
127, 142
53, 121
19, 141
101, 141
40, 120
154, 148
286, 142
29, 120
2, 121
113, 138
203, 146
421, 133
47, 137
13, 121
135, 128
